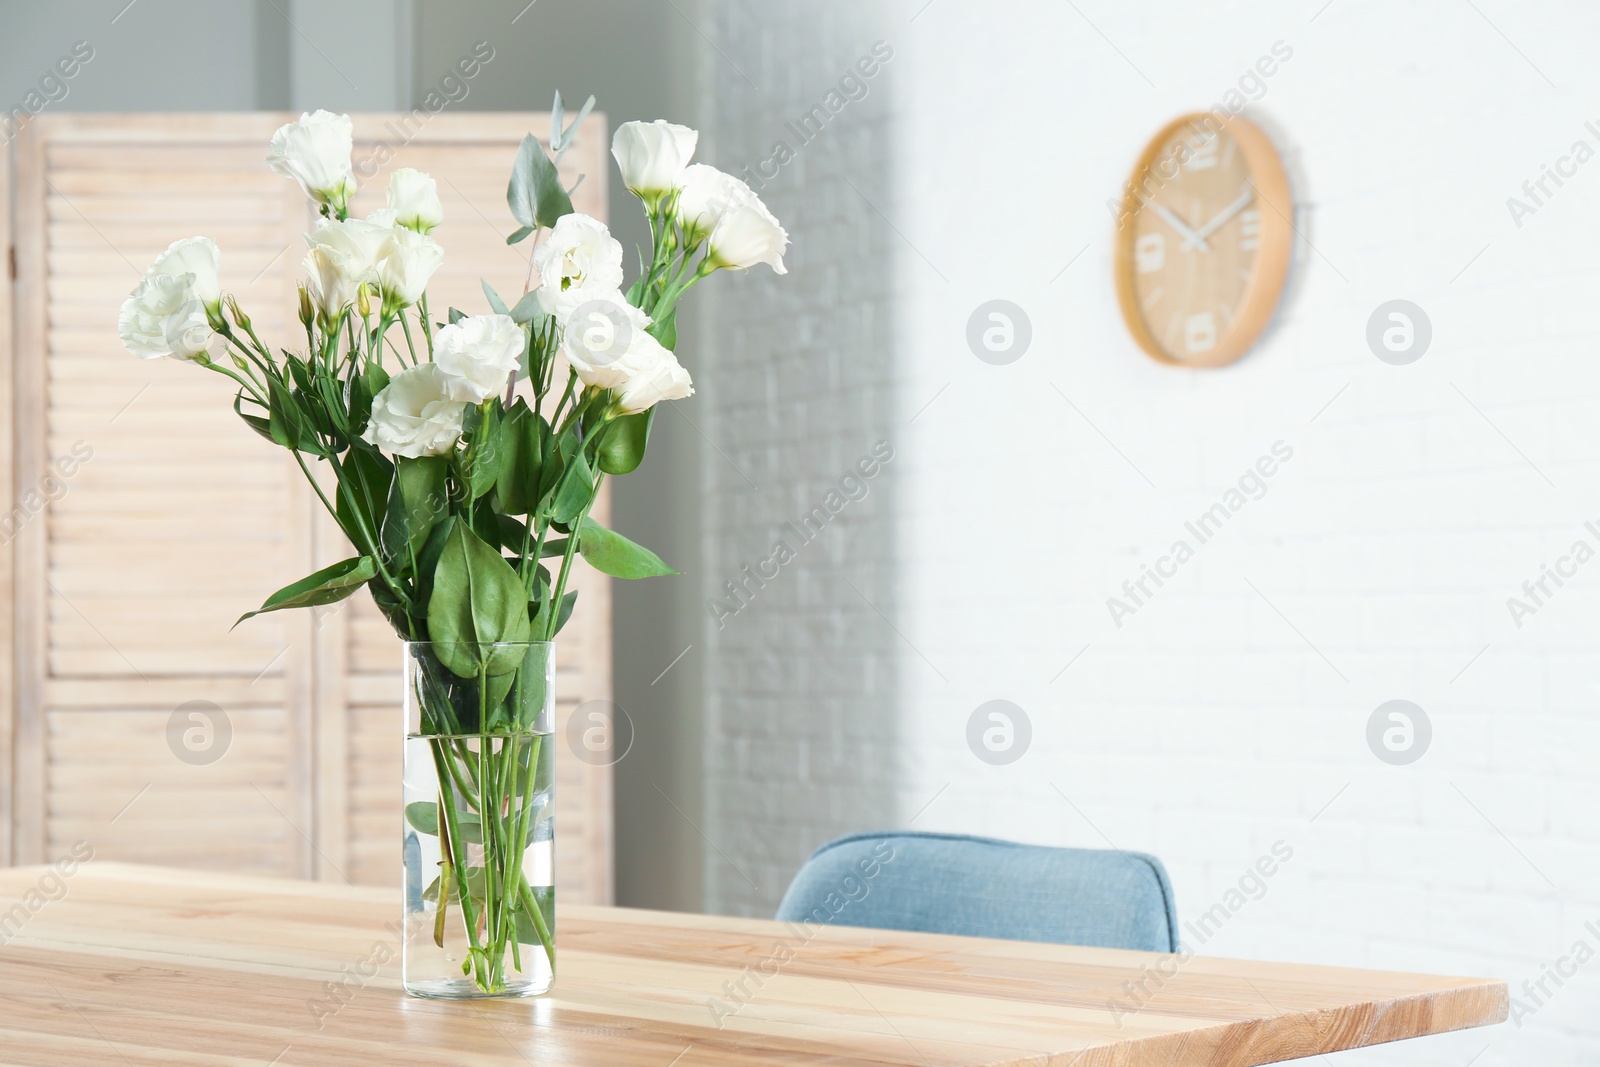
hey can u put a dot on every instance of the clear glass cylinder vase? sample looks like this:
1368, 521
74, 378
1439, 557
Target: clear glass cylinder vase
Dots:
479, 835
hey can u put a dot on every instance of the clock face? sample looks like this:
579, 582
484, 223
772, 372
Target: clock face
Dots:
1204, 240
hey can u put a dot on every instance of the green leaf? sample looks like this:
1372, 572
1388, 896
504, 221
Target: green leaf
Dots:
477, 601
428, 560
498, 305
418, 499
610, 553
376, 377
520, 234
665, 330
527, 308
622, 447
481, 461
456, 316
534, 193
521, 460
255, 422
327, 586
289, 425
542, 620
558, 453
358, 394
364, 479
575, 492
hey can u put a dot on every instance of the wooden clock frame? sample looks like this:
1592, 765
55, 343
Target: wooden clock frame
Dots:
1276, 242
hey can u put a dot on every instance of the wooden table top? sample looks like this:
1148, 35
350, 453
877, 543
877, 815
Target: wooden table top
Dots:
148, 966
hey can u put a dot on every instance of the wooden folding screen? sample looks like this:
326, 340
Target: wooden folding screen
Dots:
146, 518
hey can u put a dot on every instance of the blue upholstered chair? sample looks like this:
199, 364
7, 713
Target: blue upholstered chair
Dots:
954, 884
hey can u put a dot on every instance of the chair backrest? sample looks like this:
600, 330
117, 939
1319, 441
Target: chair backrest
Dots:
981, 887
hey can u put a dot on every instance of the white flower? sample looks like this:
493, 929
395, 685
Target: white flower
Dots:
332, 284
746, 233
600, 331
655, 375
414, 415
387, 217
163, 317
652, 156
478, 354
343, 257
315, 151
406, 262
197, 256
414, 198
580, 253
360, 241
707, 193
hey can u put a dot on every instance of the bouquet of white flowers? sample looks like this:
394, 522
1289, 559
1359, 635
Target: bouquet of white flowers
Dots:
454, 489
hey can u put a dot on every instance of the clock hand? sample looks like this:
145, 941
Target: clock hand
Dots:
1222, 217
1189, 236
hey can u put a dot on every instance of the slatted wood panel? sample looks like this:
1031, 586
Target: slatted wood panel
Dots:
137, 564
181, 519
269, 970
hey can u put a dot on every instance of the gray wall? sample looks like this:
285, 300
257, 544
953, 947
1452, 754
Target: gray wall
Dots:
636, 58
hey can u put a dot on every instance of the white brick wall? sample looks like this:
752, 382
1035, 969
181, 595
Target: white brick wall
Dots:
1207, 727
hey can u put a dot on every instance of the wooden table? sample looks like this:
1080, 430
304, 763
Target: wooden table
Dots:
142, 965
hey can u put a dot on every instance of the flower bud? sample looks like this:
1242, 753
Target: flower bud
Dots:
240, 319
307, 312
214, 317
238, 361
363, 305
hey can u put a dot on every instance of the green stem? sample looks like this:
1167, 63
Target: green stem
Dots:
566, 564
447, 804
405, 325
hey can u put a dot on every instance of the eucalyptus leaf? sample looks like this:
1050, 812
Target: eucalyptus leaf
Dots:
520, 234
327, 586
493, 297
534, 194
611, 553
527, 309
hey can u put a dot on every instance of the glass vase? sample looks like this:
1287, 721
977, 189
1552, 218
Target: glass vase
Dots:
479, 833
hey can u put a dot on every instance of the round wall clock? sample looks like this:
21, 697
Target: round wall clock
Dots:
1203, 241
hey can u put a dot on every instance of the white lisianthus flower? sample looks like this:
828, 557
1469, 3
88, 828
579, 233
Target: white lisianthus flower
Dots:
654, 375
333, 283
406, 263
652, 156
707, 194
361, 241
387, 217
580, 253
315, 151
746, 233
478, 354
197, 256
343, 257
414, 414
163, 317
414, 198
600, 331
